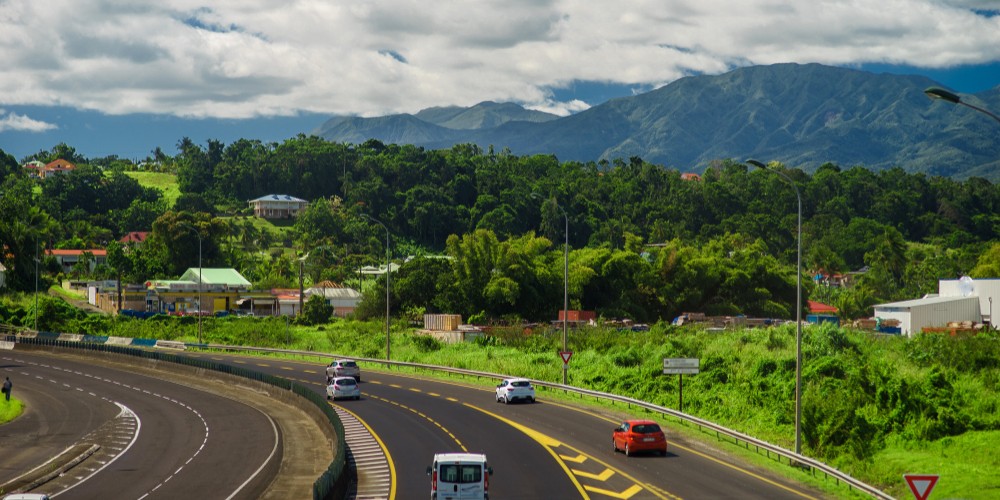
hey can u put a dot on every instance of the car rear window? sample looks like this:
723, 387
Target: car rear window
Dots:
349, 364
521, 383
646, 428
346, 381
461, 473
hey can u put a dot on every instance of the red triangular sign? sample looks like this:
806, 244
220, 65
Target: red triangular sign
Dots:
920, 485
565, 356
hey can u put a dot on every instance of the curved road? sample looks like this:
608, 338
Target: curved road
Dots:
165, 440
543, 450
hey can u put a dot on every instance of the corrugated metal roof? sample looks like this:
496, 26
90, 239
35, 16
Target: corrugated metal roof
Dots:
926, 301
279, 197
216, 276
334, 293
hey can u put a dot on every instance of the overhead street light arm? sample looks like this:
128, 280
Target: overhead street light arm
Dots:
938, 93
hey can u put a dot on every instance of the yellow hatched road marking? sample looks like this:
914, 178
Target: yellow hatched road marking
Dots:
579, 459
635, 488
600, 477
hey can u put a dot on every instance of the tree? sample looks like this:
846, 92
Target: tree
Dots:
316, 311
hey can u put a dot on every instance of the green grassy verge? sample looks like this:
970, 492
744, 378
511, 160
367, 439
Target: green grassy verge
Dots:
9, 410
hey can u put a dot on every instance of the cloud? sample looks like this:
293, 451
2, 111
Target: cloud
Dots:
20, 123
250, 58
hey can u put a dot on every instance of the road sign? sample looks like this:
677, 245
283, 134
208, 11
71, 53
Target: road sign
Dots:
565, 356
921, 484
680, 366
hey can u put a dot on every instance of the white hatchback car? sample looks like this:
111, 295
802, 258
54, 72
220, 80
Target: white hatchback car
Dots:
513, 389
343, 388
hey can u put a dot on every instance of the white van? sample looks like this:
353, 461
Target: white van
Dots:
457, 476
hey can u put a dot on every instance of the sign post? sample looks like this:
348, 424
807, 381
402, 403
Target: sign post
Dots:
680, 366
921, 484
565, 355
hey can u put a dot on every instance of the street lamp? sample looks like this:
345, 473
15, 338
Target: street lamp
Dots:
387, 263
944, 95
565, 280
198, 234
36, 281
798, 309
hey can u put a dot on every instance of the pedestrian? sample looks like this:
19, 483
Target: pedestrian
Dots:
6, 387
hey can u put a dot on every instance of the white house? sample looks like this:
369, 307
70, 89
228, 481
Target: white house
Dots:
278, 206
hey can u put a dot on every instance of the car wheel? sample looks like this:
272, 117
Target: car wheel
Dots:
628, 452
506, 400
357, 398
663, 453
614, 445
328, 397
531, 400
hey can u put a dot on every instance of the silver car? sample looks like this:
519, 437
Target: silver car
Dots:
513, 389
343, 388
343, 368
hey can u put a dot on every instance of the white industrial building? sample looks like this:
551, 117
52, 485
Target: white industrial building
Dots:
958, 300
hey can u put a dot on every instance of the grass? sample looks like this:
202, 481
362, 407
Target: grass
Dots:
9, 410
166, 183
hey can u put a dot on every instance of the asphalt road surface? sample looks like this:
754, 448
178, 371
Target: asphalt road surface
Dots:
157, 439
545, 450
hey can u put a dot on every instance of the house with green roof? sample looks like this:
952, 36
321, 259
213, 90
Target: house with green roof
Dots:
203, 291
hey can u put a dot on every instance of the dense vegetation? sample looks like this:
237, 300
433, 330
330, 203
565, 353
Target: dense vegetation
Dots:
644, 243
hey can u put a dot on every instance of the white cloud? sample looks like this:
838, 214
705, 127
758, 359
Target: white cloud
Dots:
20, 123
245, 58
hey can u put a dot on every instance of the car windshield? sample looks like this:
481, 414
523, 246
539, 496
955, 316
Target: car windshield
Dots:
521, 383
646, 428
461, 473
346, 381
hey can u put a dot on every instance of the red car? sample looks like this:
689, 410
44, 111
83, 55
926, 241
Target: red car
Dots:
639, 435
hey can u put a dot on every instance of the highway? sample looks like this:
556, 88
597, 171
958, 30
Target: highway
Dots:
157, 439
176, 442
544, 450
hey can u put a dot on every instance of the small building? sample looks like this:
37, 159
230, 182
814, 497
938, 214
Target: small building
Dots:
277, 206
134, 237
929, 312
67, 259
344, 300
986, 289
198, 291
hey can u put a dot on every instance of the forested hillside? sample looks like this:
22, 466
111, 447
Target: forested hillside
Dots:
644, 242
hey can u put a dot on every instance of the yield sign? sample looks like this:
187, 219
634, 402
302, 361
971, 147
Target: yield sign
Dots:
920, 485
565, 356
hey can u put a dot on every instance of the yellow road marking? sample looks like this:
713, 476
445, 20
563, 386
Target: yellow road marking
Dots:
625, 494
385, 451
603, 476
579, 459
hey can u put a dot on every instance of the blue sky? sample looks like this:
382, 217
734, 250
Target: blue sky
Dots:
123, 81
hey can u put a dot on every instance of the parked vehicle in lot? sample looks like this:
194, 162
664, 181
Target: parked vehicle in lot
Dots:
343, 388
513, 389
343, 368
460, 476
639, 435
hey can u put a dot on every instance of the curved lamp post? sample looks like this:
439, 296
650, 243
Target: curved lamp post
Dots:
387, 263
944, 95
302, 261
565, 279
198, 234
798, 309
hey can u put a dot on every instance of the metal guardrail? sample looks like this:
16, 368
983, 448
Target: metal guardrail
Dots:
791, 456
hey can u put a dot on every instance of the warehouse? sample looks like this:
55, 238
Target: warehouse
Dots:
934, 311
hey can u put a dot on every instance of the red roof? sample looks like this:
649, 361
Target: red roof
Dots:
135, 237
96, 252
821, 308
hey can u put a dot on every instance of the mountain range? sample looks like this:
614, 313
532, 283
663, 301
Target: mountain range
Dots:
803, 115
